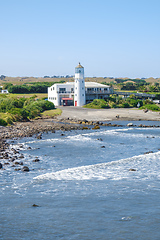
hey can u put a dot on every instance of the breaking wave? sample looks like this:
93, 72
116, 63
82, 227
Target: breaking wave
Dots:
146, 167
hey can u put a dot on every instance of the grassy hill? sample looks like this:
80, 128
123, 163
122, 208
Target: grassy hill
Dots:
22, 80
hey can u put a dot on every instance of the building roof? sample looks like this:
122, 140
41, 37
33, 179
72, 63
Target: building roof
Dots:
79, 66
95, 85
87, 85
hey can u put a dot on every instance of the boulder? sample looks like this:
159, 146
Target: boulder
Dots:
1, 165
36, 160
25, 169
148, 152
130, 125
132, 170
96, 127
39, 136
35, 205
100, 139
85, 128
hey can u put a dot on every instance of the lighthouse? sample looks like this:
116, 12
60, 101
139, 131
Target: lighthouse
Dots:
79, 90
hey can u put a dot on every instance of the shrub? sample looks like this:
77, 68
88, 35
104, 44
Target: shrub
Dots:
152, 107
97, 104
3, 122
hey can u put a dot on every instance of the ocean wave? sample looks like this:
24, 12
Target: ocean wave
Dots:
146, 167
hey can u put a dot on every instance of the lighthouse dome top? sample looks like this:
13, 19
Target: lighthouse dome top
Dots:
79, 66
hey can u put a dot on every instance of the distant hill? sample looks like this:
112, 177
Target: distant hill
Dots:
22, 80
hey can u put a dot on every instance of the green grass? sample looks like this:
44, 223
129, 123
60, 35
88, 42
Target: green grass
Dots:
7, 117
38, 95
52, 113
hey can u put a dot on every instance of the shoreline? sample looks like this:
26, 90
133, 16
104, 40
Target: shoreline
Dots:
73, 118
65, 122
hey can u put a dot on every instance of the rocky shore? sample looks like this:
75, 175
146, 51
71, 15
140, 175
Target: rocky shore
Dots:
37, 127
13, 157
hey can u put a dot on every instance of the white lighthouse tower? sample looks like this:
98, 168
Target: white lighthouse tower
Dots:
79, 90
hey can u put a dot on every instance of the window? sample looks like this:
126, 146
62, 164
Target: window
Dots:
62, 89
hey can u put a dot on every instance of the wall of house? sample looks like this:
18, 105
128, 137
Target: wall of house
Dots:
58, 91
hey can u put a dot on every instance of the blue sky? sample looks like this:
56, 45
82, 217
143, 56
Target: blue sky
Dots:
114, 38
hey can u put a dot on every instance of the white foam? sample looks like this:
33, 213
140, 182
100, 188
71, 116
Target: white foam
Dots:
146, 165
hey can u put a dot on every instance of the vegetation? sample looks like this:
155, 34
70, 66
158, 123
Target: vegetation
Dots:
26, 88
119, 102
21, 109
152, 107
52, 113
97, 103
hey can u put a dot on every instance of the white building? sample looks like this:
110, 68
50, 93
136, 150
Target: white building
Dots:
4, 91
79, 92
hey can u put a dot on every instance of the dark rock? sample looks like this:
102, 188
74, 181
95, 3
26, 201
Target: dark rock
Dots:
17, 169
16, 163
1, 165
132, 170
29, 148
85, 128
148, 152
25, 169
102, 146
35, 205
96, 127
7, 163
36, 160
39, 136
100, 139
130, 125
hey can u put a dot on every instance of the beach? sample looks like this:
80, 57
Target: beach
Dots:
129, 114
73, 118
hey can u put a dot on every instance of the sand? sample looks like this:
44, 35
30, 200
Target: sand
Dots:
80, 113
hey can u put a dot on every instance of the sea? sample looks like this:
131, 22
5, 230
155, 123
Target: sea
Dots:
88, 185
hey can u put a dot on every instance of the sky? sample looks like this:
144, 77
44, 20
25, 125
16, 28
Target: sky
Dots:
110, 38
